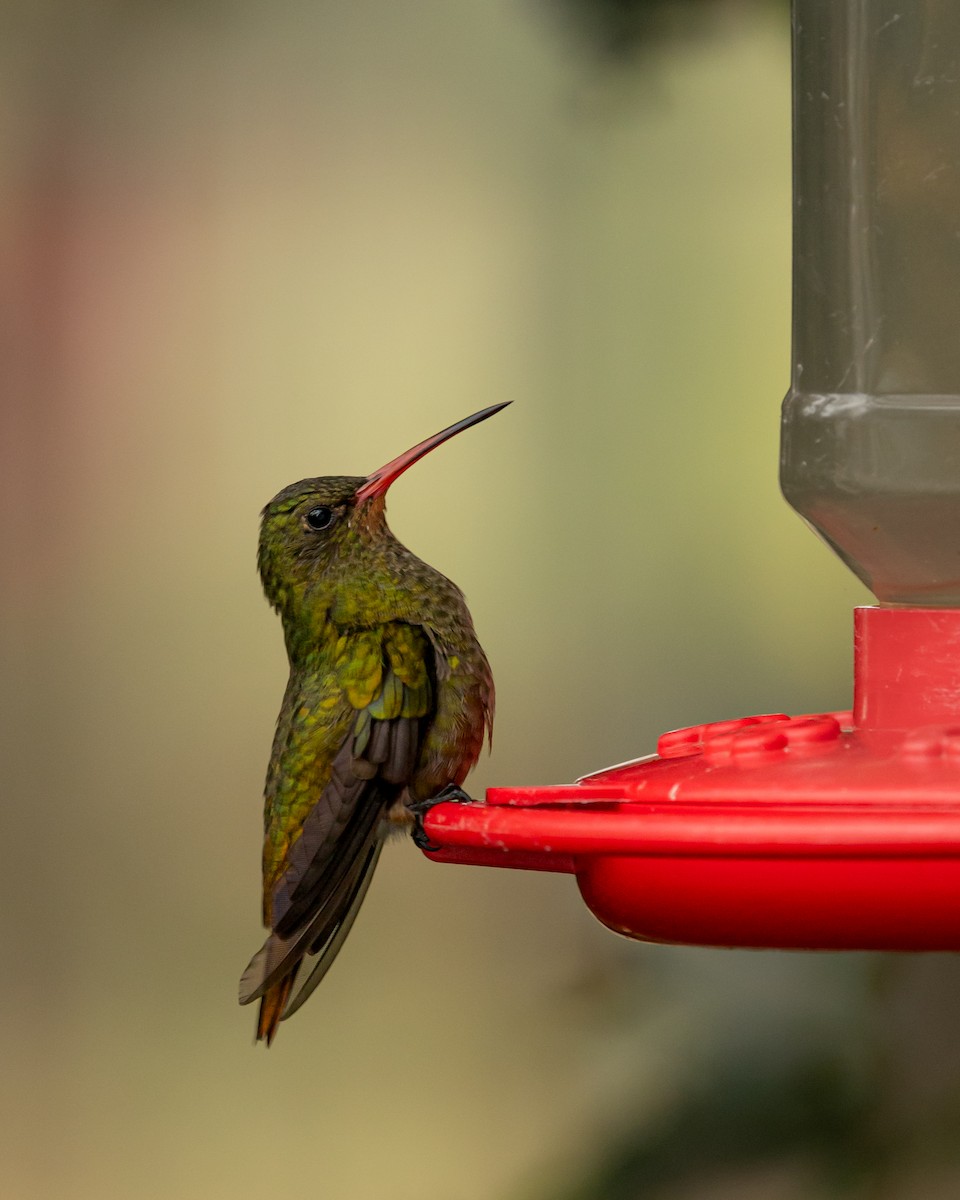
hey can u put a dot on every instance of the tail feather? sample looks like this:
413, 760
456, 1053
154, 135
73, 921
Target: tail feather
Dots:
273, 970
272, 1006
281, 952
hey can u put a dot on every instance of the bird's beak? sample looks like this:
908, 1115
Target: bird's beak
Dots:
377, 483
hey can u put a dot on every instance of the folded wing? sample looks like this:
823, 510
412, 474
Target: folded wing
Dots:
327, 870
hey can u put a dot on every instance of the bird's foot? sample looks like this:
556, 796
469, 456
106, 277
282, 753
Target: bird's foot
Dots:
451, 794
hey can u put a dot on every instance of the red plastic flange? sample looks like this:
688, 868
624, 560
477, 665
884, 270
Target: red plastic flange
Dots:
831, 831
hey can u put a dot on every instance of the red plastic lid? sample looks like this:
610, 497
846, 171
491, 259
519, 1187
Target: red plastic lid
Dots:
831, 831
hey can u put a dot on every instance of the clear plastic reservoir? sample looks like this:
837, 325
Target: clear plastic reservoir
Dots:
870, 451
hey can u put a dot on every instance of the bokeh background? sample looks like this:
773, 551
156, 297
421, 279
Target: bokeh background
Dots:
247, 242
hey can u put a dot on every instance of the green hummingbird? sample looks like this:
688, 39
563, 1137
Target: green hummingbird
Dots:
385, 711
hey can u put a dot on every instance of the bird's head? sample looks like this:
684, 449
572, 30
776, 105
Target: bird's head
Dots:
334, 525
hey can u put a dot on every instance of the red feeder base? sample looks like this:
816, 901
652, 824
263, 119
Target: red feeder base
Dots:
827, 832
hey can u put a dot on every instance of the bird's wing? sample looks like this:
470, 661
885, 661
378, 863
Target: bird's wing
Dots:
384, 677
322, 955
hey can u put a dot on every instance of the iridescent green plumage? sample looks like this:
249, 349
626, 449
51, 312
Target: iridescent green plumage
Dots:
387, 704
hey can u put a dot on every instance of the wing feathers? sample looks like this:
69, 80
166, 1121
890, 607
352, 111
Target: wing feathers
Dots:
379, 746
274, 958
321, 832
386, 675
329, 951
402, 754
326, 871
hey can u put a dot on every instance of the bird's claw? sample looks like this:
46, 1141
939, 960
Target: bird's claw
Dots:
451, 794
420, 839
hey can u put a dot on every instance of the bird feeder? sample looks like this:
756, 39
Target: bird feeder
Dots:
835, 830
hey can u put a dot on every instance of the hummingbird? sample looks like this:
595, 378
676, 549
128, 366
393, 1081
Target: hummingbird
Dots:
389, 699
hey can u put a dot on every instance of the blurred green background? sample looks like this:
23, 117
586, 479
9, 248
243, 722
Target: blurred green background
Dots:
249, 242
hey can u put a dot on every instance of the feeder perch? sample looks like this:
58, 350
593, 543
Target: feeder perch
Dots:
834, 830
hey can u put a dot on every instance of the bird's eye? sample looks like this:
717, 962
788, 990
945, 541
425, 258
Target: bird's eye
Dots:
320, 517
